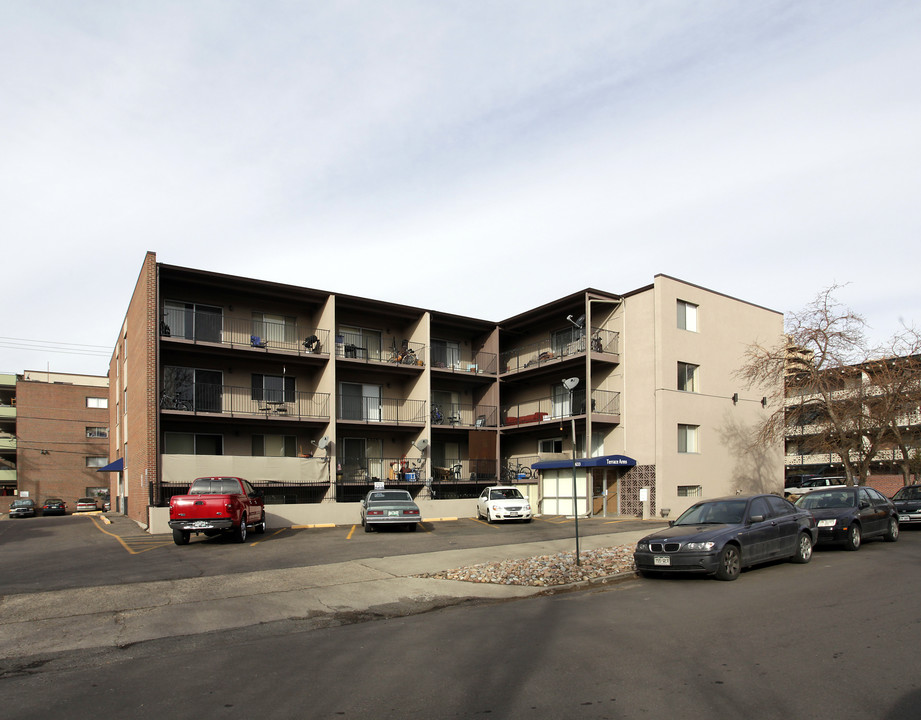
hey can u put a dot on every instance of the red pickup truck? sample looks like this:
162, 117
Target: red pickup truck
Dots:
216, 505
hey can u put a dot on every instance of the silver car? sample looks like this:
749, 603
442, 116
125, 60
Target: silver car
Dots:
389, 507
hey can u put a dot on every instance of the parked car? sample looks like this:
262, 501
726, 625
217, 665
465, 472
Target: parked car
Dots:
500, 502
216, 505
107, 505
721, 536
849, 515
908, 502
54, 506
389, 507
24, 507
87, 504
808, 485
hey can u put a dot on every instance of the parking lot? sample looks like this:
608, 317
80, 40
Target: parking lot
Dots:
72, 551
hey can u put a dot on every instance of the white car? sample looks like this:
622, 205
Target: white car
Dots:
816, 483
503, 502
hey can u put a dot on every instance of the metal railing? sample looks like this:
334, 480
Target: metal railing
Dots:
466, 470
604, 402
460, 415
480, 363
380, 410
238, 332
234, 400
367, 471
552, 351
353, 346
273, 493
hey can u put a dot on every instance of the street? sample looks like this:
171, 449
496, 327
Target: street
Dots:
832, 639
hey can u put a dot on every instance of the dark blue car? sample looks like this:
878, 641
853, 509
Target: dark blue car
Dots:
721, 536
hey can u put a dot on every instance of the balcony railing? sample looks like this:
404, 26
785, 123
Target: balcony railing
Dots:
366, 471
604, 402
232, 400
393, 411
370, 349
236, 332
553, 351
460, 415
481, 363
465, 470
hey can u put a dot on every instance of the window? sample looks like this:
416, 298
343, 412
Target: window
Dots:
97, 402
360, 401
687, 438
175, 443
689, 491
97, 432
273, 388
275, 330
550, 445
779, 506
687, 377
359, 342
274, 446
97, 461
446, 354
687, 316
191, 321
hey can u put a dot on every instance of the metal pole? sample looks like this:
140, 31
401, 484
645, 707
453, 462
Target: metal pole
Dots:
575, 498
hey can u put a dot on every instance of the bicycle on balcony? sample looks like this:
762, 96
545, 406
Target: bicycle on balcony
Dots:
404, 356
172, 401
514, 471
439, 418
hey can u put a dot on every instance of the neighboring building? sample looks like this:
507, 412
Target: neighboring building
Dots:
314, 397
61, 436
808, 453
7, 440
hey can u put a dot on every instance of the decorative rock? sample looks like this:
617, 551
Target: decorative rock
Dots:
546, 570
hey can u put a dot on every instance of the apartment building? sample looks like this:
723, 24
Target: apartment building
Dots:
58, 439
315, 397
7, 440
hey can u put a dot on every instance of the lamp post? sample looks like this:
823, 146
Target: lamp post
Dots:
570, 384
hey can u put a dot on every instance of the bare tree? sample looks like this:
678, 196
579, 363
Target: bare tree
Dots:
819, 391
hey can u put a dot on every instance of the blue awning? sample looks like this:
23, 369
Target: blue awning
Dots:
116, 466
603, 461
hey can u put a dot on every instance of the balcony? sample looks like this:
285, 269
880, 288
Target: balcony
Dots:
7, 412
384, 411
213, 329
245, 401
605, 407
465, 470
457, 415
550, 351
367, 471
7, 441
463, 363
362, 348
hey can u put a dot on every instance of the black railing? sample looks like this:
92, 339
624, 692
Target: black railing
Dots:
203, 327
365, 348
364, 471
466, 471
480, 363
273, 493
604, 402
393, 411
233, 400
460, 415
554, 350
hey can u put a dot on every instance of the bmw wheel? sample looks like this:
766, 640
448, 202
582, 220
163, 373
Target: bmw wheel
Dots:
803, 549
730, 563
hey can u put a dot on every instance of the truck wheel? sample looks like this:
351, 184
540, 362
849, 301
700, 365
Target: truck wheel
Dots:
260, 527
239, 534
181, 537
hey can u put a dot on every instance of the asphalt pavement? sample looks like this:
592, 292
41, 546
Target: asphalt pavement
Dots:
321, 595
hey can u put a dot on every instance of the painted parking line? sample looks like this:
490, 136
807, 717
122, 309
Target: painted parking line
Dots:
135, 545
266, 537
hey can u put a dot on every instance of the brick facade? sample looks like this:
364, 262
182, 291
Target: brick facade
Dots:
52, 425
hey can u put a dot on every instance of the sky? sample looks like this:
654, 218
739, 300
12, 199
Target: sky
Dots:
475, 157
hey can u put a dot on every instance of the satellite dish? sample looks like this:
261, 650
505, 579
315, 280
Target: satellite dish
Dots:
579, 322
421, 444
324, 441
570, 383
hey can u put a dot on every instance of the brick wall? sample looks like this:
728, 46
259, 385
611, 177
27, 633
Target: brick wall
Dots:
52, 449
888, 485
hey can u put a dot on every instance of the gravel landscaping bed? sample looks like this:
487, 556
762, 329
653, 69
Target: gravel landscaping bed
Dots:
547, 570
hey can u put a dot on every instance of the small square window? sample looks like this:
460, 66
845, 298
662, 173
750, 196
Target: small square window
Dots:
97, 402
687, 377
550, 445
688, 438
689, 491
687, 316
97, 432
97, 461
